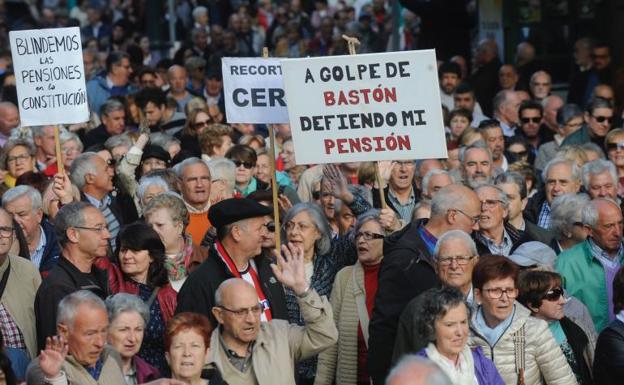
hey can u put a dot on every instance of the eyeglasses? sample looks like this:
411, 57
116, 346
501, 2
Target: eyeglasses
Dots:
520, 154
461, 260
111, 162
602, 119
240, 313
247, 165
97, 229
15, 158
69, 150
490, 203
541, 84
197, 125
553, 294
6, 232
615, 146
532, 120
498, 292
368, 236
474, 219
270, 227
303, 226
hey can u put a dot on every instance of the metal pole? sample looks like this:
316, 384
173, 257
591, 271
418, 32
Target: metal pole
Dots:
396, 21
172, 22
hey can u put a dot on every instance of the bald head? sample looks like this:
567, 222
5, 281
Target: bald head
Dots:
177, 77
232, 291
414, 370
9, 117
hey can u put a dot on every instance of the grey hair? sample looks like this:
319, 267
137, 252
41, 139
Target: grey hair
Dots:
118, 140
174, 205
38, 130
596, 167
435, 304
452, 235
538, 73
20, 191
110, 106
124, 302
576, 172
367, 216
68, 307
323, 245
198, 11
80, 167
478, 144
150, 180
500, 99
11, 144
501, 194
411, 363
589, 213
179, 168
70, 215
567, 113
67, 136
591, 146
565, 210
429, 175
445, 200
223, 169
515, 178
163, 140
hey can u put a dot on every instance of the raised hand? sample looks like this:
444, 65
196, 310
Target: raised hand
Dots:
385, 169
52, 357
338, 182
284, 203
389, 220
62, 188
290, 270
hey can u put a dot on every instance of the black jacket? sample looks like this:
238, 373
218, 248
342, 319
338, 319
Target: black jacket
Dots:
122, 206
406, 271
517, 238
198, 292
578, 341
64, 279
98, 135
609, 358
51, 250
534, 206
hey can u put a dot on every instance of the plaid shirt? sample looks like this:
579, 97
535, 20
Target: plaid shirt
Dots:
11, 334
543, 220
503, 249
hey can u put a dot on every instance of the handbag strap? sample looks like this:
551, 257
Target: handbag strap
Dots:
152, 297
360, 301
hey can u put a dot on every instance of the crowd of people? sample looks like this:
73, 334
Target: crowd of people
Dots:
151, 255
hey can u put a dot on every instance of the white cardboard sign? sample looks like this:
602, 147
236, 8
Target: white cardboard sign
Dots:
365, 107
254, 90
49, 76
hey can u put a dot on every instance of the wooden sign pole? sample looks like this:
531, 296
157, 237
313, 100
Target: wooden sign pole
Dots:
59, 154
351, 42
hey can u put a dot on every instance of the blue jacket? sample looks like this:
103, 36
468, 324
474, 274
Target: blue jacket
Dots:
51, 250
98, 92
486, 372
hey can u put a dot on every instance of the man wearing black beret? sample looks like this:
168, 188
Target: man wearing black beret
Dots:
241, 224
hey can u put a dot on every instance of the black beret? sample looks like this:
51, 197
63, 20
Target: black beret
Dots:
233, 210
153, 151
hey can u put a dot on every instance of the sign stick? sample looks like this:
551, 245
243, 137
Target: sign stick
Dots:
59, 158
352, 42
276, 218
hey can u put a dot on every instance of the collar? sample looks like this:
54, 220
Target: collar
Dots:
97, 203
109, 82
411, 199
602, 256
251, 187
231, 353
42, 240
193, 210
490, 241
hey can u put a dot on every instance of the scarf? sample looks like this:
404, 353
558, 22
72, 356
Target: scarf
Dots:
463, 374
193, 210
176, 265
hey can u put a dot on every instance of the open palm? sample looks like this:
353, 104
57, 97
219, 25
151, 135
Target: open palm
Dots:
52, 357
290, 270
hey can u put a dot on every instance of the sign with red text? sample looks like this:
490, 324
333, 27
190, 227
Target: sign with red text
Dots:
253, 90
49, 76
365, 107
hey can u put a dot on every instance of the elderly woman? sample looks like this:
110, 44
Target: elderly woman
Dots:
305, 227
569, 119
71, 146
609, 362
139, 268
168, 216
17, 158
542, 293
614, 143
565, 221
444, 320
352, 297
522, 348
128, 317
149, 187
187, 341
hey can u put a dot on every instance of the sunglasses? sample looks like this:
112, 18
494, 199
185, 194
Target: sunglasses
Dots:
270, 227
615, 146
532, 120
247, 165
197, 125
520, 154
553, 294
602, 119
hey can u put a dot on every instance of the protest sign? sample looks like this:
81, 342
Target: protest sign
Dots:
254, 90
49, 76
365, 107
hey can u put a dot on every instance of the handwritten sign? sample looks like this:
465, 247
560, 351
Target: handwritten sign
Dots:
365, 107
254, 90
49, 76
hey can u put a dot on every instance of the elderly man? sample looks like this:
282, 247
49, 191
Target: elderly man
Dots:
248, 351
589, 267
433, 181
455, 257
476, 164
177, 78
416, 370
9, 119
78, 354
400, 192
116, 81
43, 137
83, 235
113, 116
24, 203
194, 176
492, 135
600, 179
223, 174
551, 105
561, 176
506, 104
94, 178
408, 268
598, 123
540, 85
18, 286
241, 226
